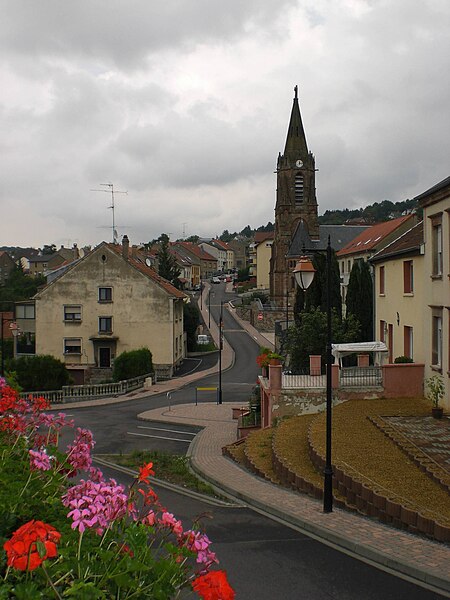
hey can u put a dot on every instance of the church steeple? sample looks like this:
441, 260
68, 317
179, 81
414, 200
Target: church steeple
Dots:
296, 201
296, 146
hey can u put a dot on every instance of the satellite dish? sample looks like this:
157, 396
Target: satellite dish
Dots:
148, 262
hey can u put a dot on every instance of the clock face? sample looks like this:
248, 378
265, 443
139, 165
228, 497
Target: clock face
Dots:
299, 163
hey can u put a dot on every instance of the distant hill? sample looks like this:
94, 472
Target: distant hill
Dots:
374, 213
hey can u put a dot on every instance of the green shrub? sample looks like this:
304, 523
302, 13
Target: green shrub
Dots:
132, 364
403, 359
39, 372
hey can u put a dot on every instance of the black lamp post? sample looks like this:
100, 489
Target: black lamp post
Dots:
209, 308
13, 327
304, 275
201, 293
219, 397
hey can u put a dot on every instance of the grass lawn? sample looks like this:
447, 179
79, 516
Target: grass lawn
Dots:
358, 447
168, 467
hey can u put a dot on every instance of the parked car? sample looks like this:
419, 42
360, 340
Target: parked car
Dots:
215, 280
202, 339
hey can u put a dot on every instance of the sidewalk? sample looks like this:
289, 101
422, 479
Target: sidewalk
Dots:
413, 556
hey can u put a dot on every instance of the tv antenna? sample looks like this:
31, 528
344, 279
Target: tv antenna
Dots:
184, 230
111, 190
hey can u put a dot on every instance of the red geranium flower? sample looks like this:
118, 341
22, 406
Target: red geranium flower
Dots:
145, 472
213, 586
30, 545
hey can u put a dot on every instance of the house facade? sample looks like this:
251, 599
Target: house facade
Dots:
107, 303
218, 250
367, 243
262, 254
435, 203
207, 262
399, 271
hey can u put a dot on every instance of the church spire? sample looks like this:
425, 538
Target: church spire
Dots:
296, 147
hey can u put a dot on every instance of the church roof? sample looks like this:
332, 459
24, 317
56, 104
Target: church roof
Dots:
296, 140
340, 235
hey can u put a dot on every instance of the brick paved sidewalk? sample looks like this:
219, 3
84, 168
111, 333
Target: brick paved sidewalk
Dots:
416, 557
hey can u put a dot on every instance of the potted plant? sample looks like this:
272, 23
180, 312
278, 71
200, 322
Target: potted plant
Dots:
436, 390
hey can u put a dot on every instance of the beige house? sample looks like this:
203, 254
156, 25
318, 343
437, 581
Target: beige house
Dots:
399, 295
262, 253
366, 244
436, 304
109, 302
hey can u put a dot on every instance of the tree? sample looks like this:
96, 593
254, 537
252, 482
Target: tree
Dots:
359, 299
133, 364
19, 286
316, 295
49, 249
310, 337
39, 372
191, 320
167, 265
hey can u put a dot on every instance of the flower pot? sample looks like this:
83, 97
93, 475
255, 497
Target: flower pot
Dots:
437, 412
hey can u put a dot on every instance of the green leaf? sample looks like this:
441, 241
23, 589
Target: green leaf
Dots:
84, 591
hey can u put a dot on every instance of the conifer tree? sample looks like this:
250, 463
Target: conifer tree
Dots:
359, 301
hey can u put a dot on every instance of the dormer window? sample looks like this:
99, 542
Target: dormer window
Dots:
298, 189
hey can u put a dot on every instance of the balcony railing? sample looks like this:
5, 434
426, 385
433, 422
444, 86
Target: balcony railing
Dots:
72, 393
303, 380
360, 377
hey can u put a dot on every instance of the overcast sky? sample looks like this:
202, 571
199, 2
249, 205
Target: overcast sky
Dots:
185, 105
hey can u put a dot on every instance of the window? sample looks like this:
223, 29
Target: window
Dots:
105, 324
25, 311
408, 341
105, 294
408, 277
298, 189
436, 350
383, 330
381, 281
436, 244
72, 346
72, 313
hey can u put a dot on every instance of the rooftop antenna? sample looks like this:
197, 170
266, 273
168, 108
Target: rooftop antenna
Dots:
111, 190
184, 230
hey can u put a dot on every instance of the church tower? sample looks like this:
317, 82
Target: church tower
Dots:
296, 201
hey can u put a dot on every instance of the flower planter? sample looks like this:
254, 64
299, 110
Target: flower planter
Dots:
379, 501
366, 493
441, 532
425, 525
408, 516
437, 412
392, 508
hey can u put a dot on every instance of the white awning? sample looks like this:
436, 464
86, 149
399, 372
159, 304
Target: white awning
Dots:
341, 350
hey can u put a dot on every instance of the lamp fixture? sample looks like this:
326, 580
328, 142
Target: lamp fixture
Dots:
304, 272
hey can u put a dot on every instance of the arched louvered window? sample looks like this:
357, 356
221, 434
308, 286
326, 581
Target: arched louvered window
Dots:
298, 189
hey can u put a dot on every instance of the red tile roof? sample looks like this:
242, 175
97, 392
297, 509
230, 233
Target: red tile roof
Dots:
372, 237
149, 272
261, 236
199, 252
408, 242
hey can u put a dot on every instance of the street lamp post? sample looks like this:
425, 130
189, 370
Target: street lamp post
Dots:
304, 275
219, 396
209, 308
15, 332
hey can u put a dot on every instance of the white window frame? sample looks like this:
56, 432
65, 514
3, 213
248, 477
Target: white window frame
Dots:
75, 311
67, 344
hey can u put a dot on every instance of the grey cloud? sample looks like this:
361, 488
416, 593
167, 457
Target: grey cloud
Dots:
125, 33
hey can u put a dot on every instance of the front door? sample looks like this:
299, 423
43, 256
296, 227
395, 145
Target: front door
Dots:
104, 357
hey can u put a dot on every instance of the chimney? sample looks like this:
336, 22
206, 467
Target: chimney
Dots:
75, 252
125, 247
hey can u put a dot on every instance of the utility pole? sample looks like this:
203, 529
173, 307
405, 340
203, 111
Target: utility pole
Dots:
112, 191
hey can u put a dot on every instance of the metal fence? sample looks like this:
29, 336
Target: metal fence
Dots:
71, 393
360, 377
303, 380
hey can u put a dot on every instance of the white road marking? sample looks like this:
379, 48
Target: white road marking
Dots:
169, 430
158, 437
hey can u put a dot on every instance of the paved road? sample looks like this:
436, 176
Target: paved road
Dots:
269, 561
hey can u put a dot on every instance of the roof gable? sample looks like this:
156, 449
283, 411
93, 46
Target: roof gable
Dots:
372, 237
